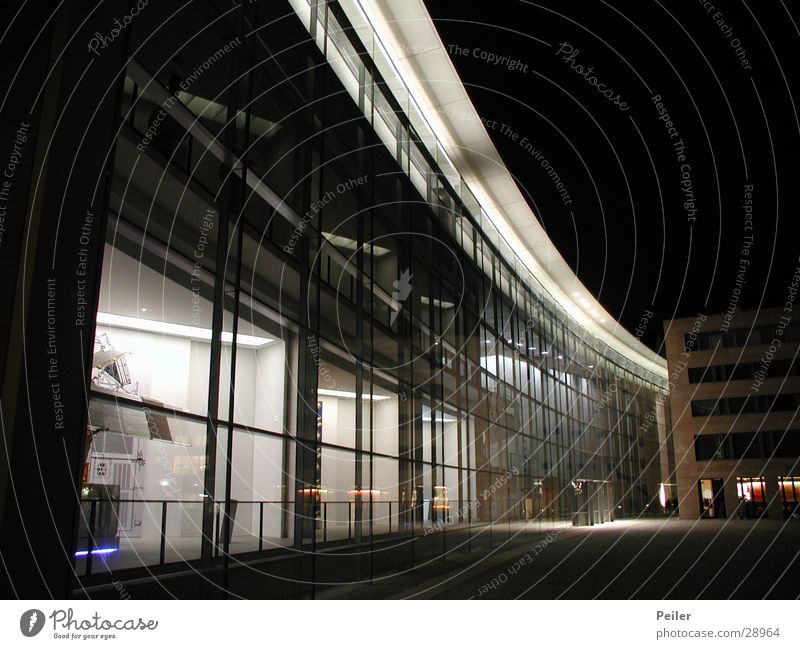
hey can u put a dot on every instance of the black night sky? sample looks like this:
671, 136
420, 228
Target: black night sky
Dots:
724, 72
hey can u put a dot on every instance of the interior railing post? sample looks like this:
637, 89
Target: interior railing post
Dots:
261, 526
216, 530
162, 551
90, 546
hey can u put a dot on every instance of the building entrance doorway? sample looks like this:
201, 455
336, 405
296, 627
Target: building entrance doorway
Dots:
594, 502
712, 498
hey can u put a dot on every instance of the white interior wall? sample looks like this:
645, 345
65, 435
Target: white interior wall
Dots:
338, 421
172, 356
385, 426
270, 385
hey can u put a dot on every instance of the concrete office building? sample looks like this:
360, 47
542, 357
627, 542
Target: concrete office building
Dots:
293, 321
735, 392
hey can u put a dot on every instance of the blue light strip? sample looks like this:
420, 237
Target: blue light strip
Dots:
83, 553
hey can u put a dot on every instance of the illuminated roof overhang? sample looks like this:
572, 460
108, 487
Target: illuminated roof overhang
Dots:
422, 61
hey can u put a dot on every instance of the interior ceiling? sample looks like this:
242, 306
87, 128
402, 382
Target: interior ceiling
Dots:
128, 287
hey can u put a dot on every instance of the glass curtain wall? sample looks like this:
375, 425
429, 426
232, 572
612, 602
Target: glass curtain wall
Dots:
308, 334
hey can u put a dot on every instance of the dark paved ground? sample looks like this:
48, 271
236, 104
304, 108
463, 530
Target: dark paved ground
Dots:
648, 559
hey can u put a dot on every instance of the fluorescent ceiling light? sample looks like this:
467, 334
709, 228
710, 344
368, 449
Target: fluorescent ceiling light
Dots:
343, 394
439, 304
347, 243
218, 113
174, 329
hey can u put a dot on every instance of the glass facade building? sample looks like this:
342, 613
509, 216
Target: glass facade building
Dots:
308, 336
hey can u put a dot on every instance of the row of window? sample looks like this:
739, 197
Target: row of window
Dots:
745, 405
751, 493
749, 445
760, 335
742, 371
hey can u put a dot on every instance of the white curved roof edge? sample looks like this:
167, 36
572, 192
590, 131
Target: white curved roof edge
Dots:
407, 31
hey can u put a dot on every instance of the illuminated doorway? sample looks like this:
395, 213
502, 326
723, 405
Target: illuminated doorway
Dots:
790, 495
752, 497
712, 498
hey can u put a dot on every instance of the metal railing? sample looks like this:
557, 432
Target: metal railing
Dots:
100, 521
379, 518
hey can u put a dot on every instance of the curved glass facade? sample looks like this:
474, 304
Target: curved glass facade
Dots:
309, 334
